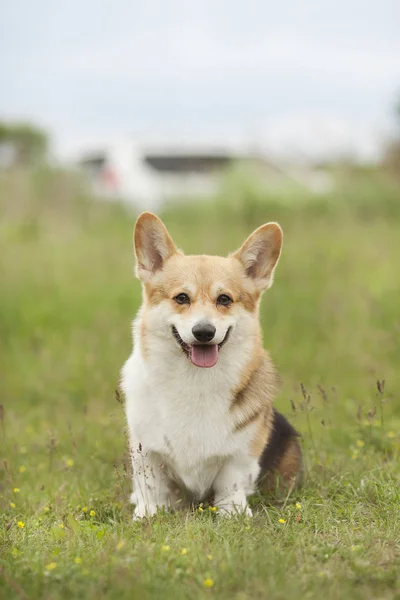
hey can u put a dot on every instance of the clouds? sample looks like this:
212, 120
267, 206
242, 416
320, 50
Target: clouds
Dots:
89, 69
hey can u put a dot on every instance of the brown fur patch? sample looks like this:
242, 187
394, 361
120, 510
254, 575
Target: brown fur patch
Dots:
281, 459
290, 464
253, 402
263, 430
287, 473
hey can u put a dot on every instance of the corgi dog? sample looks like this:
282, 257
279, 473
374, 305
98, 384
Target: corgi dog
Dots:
198, 385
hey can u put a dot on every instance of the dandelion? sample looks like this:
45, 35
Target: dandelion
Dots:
92, 513
61, 525
184, 551
282, 521
208, 583
16, 490
212, 508
165, 548
78, 560
391, 435
46, 508
51, 566
12, 505
200, 509
21, 524
85, 509
298, 505
209, 556
22, 469
69, 462
360, 443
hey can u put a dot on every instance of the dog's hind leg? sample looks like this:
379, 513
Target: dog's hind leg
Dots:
281, 461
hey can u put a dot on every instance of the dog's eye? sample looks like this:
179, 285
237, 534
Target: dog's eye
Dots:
224, 300
182, 299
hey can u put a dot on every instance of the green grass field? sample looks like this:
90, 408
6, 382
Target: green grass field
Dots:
331, 322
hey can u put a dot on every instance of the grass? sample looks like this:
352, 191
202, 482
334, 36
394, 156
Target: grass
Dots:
332, 324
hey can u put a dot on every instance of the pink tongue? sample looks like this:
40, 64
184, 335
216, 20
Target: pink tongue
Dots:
204, 356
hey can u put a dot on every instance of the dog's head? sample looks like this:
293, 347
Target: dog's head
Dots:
202, 303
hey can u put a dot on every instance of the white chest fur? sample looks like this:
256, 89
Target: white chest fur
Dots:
182, 413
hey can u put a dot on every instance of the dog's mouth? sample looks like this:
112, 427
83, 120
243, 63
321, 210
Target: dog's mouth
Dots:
201, 355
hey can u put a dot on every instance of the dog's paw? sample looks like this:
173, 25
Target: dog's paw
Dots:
230, 510
144, 510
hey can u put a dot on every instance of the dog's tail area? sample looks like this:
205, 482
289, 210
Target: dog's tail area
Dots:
281, 461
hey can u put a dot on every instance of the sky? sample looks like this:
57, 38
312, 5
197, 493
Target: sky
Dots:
296, 77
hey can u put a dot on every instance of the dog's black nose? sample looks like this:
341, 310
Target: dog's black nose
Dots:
204, 332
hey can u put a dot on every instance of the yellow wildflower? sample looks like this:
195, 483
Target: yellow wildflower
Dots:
16, 490
12, 505
46, 508
213, 508
78, 560
51, 566
69, 462
282, 521
184, 551
200, 509
120, 544
21, 524
208, 583
165, 548
209, 556
61, 525
84, 509
298, 505
22, 469
92, 513
391, 435
360, 443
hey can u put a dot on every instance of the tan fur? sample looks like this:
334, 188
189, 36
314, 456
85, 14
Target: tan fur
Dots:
202, 271
262, 434
143, 335
253, 402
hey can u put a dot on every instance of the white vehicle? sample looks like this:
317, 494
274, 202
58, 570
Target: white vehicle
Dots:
148, 177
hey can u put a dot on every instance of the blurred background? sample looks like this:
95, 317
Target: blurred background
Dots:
219, 116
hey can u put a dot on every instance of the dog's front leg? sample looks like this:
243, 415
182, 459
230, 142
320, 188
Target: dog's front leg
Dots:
150, 484
234, 483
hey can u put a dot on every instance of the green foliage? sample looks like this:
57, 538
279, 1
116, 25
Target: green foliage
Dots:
28, 142
331, 322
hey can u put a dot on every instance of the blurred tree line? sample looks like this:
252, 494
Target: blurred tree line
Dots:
22, 144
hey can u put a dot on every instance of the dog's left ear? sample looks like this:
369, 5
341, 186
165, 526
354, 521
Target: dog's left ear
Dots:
153, 245
260, 253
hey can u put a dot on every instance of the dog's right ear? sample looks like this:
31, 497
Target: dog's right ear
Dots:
153, 245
